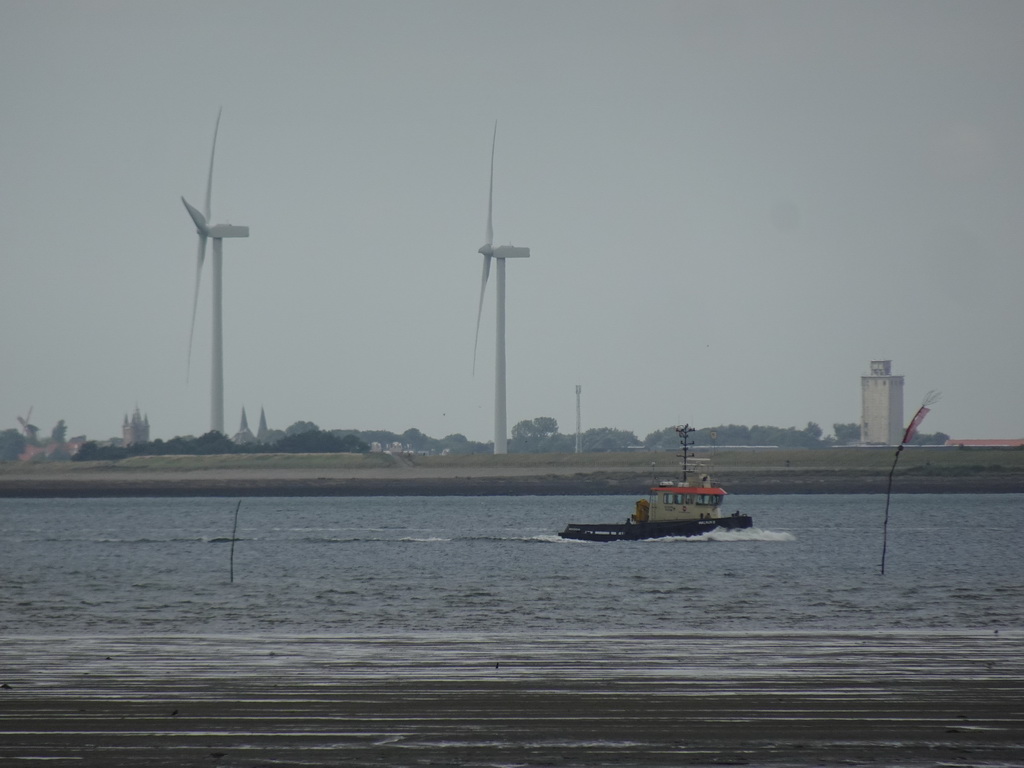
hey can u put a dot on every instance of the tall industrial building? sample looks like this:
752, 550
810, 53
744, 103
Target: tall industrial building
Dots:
881, 414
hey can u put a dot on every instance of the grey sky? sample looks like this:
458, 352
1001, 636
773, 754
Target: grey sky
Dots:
732, 208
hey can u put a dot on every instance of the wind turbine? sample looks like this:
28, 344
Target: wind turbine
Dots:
500, 253
218, 232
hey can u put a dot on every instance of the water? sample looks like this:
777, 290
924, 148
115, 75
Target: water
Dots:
328, 566
462, 631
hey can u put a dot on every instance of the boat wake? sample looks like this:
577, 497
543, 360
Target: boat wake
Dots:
719, 534
743, 534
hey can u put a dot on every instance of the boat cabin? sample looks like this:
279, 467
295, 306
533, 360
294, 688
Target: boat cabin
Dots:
670, 500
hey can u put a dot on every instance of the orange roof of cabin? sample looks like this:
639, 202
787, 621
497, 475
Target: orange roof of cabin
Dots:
688, 489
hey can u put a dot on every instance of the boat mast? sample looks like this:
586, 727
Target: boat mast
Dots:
684, 433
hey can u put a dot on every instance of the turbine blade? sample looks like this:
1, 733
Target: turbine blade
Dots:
201, 257
209, 177
490, 194
197, 217
480, 308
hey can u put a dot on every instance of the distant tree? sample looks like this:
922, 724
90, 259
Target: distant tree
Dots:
12, 444
382, 436
539, 435
60, 432
846, 434
91, 451
546, 425
59, 452
415, 440
456, 443
213, 442
727, 434
605, 439
272, 436
315, 441
301, 426
736, 434
937, 438
663, 440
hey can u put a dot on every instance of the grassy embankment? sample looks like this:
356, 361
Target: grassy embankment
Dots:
946, 462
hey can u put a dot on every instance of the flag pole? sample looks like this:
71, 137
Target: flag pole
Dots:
908, 435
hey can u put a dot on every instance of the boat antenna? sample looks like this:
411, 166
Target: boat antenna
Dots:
684, 433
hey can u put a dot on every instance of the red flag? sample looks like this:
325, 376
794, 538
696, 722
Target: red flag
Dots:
914, 424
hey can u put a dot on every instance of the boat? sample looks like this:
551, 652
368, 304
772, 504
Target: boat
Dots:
690, 506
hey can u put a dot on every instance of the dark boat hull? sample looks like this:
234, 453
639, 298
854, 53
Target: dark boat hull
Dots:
635, 531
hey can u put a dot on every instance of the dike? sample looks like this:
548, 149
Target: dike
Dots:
242, 483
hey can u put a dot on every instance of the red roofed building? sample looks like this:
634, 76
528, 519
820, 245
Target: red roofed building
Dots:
986, 443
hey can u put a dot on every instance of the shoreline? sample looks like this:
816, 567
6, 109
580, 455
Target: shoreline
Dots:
462, 481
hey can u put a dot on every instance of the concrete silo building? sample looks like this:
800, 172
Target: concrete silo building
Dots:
881, 396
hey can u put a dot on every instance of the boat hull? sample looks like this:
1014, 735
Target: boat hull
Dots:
631, 531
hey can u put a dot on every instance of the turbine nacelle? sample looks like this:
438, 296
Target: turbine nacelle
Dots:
511, 252
504, 252
217, 231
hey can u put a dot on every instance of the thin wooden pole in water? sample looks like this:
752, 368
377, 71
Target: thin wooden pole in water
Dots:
234, 529
888, 494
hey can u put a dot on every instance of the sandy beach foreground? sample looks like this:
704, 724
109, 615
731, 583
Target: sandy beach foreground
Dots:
774, 699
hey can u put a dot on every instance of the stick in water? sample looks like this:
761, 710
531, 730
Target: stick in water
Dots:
908, 435
234, 529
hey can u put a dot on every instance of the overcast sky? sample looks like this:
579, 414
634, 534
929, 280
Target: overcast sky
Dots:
732, 208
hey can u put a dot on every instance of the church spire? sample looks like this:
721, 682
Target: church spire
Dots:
261, 433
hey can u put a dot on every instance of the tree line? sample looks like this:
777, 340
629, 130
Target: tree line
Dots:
538, 435
541, 435
306, 441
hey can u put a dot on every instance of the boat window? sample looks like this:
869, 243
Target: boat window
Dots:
668, 498
688, 499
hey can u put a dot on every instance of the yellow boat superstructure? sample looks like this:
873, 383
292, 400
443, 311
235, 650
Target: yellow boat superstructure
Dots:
670, 501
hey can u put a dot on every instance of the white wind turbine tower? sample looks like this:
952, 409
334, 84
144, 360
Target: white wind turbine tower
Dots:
500, 253
218, 232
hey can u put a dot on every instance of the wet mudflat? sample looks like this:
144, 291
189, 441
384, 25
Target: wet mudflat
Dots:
575, 699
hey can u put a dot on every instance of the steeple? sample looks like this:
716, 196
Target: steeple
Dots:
244, 434
261, 433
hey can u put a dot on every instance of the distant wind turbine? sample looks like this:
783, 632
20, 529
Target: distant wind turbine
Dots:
500, 253
218, 232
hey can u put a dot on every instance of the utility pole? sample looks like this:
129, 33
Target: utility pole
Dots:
579, 438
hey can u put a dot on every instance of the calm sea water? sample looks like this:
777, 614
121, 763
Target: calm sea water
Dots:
495, 564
